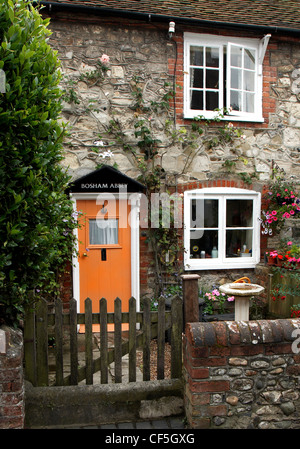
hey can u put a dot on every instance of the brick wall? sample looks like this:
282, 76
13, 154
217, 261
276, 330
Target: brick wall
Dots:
11, 379
241, 375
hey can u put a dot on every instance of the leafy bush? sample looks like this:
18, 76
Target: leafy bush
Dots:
36, 216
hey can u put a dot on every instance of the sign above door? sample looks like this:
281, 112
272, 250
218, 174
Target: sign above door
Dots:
105, 179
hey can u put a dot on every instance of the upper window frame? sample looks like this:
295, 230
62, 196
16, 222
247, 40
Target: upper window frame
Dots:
256, 45
222, 194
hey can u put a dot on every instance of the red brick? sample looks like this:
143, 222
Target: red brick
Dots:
199, 373
293, 370
199, 423
212, 386
283, 348
247, 350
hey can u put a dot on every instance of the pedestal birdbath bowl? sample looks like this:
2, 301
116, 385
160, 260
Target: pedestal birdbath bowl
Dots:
242, 293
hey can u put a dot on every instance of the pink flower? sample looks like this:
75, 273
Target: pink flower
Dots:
289, 243
292, 212
230, 298
274, 212
104, 59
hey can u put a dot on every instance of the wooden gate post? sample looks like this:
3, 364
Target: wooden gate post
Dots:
190, 298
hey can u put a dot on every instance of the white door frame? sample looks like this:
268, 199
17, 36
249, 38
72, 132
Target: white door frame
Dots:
134, 201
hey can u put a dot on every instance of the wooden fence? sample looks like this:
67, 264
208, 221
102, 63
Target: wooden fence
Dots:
142, 327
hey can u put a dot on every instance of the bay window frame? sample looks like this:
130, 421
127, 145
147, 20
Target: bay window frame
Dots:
221, 261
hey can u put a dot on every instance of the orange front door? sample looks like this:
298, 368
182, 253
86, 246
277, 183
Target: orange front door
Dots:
104, 253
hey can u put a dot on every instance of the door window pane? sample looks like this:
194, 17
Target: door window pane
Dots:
103, 232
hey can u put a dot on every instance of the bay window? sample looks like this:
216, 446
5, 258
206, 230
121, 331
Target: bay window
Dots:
222, 228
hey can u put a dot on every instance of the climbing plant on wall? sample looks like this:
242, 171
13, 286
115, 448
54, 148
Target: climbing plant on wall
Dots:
147, 136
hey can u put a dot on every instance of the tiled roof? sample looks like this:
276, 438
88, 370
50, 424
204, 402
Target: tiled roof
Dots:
266, 13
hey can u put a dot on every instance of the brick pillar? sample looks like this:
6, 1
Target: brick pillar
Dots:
11, 379
190, 298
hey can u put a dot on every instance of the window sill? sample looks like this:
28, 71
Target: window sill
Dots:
209, 264
226, 118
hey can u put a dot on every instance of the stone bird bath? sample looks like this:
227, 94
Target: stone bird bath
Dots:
242, 293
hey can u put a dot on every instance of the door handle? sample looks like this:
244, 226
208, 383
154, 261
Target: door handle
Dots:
103, 254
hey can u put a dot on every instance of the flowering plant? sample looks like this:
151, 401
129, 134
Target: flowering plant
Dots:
295, 311
218, 298
282, 202
287, 253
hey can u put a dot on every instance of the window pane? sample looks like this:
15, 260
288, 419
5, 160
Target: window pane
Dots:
235, 100
236, 56
196, 101
204, 214
212, 57
249, 102
249, 81
196, 56
249, 59
212, 79
196, 78
103, 232
239, 243
212, 100
239, 213
236, 78
202, 243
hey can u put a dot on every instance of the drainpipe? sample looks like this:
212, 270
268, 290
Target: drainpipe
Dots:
148, 17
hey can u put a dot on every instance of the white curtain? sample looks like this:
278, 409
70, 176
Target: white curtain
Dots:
103, 232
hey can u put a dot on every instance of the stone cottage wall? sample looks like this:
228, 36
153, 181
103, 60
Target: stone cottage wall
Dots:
143, 51
242, 375
12, 407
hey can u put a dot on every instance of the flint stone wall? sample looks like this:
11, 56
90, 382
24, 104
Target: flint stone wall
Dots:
242, 375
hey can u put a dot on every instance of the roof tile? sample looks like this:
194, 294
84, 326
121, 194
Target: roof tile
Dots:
274, 13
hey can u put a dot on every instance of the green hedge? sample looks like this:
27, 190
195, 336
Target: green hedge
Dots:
36, 219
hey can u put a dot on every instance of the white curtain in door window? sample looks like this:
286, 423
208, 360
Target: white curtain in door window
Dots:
103, 232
